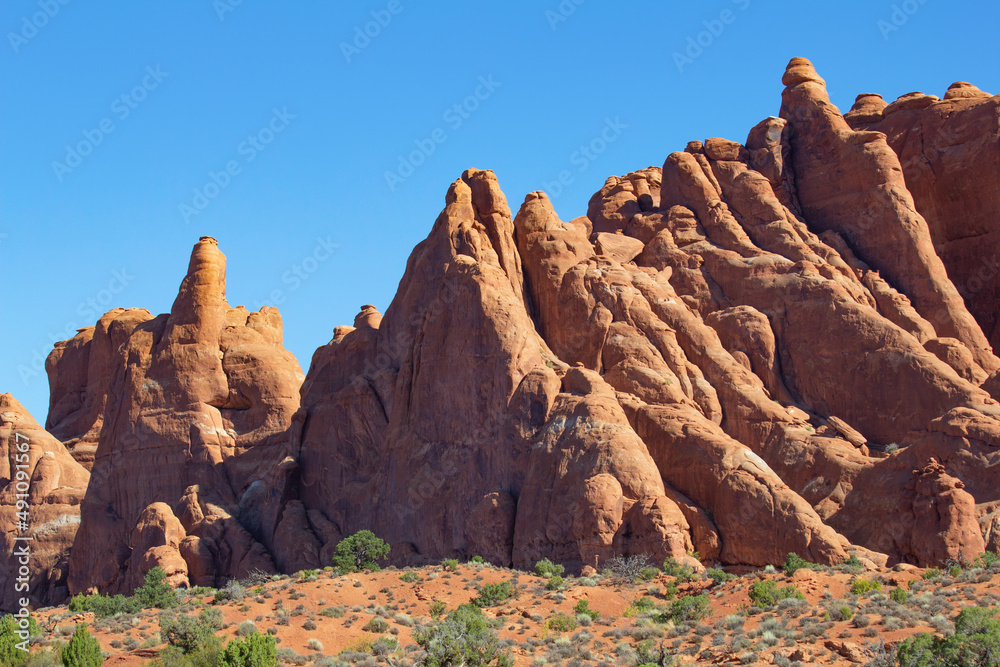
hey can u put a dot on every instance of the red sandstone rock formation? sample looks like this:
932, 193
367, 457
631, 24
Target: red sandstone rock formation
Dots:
716, 358
36, 470
190, 412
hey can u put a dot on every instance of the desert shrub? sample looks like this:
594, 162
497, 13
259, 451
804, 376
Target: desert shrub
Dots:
794, 562
377, 624
546, 568
11, 636
718, 575
554, 583
104, 605
648, 654
986, 560
409, 577
899, 595
333, 612
437, 608
246, 628
477, 559
233, 590
626, 568
155, 592
841, 613
689, 608
862, 621
682, 572
491, 595
192, 634
931, 573
256, 650
463, 638
560, 622
583, 607
862, 586
360, 551
976, 642
766, 593
83, 650
385, 646
639, 606
450, 564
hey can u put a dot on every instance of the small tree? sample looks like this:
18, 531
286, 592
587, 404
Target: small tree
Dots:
156, 592
191, 634
83, 649
10, 654
360, 551
256, 650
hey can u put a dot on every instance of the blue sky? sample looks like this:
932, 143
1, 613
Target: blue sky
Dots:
272, 127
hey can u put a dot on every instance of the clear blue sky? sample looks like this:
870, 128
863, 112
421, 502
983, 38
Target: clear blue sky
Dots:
200, 77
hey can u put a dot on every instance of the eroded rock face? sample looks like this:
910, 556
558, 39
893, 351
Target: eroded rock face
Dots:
949, 152
190, 412
38, 472
716, 358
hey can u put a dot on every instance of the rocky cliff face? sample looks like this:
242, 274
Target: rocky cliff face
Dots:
41, 488
190, 412
754, 349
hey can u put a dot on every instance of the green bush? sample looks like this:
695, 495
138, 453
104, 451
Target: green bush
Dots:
257, 650
976, 642
793, 562
438, 608
409, 577
377, 625
583, 607
899, 595
450, 564
862, 586
10, 638
546, 568
491, 595
718, 575
191, 634
360, 551
83, 650
985, 560
477, 559
554, 583
674, 569
560, 622
690, 608
843, 613
648, 573
931, 573
155, 591
766, 593
463, 638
